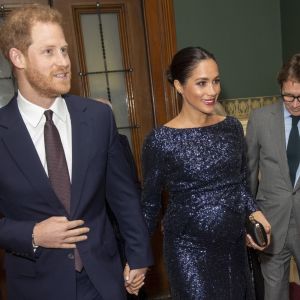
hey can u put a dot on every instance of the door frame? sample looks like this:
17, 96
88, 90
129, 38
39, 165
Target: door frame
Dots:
160, 31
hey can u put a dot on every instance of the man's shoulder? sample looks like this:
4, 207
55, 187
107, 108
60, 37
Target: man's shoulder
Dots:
265, 110
86, 104
78, 99
8, 111
8, 103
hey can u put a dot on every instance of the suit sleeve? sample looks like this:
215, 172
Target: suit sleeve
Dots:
124, 200
16, 237
253, 153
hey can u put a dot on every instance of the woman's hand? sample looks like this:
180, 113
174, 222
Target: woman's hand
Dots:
258, 216
134, 279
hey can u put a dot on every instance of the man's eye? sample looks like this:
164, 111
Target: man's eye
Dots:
290, 97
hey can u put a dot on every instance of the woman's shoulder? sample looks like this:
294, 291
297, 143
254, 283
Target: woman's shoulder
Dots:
233, 121
155, 136
162, 138
234, 124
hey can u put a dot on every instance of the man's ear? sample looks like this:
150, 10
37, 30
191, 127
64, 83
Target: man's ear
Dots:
17, 58
178, 86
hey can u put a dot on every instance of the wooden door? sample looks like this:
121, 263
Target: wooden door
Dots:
109, 60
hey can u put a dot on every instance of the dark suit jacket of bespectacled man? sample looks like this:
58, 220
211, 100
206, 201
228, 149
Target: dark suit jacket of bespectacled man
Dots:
37, 233
277, 194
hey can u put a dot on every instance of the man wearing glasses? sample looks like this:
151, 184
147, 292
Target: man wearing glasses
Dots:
274, 155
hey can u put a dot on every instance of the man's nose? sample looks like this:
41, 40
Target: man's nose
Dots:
62, 59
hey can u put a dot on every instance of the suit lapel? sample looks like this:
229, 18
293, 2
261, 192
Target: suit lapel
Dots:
81, 145
22, 150
297, 185
278, 132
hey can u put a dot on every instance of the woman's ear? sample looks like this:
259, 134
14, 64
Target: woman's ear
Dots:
17, 58
178, 86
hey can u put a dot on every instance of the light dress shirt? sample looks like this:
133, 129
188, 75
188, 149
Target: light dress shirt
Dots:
288, 127
34, 119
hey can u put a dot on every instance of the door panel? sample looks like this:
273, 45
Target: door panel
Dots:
110, 61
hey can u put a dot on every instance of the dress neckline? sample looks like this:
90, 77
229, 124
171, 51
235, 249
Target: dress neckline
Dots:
199, 127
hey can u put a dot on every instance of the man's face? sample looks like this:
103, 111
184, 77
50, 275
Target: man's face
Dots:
291, 88
47, 64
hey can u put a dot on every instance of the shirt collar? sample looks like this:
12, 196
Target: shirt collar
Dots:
34, 113
286, 114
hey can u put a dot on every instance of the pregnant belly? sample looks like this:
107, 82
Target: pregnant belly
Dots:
210, 223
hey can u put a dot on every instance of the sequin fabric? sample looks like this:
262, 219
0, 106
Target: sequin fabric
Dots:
204, 171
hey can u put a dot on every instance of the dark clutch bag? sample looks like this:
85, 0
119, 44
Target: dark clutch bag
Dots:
257, 231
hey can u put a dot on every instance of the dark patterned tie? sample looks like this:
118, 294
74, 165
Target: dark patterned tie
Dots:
293, 149
58, 169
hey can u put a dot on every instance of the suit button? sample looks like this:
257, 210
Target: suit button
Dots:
294, 193
70, 256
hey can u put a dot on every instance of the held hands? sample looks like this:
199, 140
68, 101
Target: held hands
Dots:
134, 279
59, 232
258, 216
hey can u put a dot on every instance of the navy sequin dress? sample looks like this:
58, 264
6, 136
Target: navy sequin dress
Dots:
204, 171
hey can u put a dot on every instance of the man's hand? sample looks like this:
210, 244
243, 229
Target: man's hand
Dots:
59, 232
134, 279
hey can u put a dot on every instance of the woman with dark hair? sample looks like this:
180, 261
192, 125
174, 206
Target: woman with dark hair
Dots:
199, 158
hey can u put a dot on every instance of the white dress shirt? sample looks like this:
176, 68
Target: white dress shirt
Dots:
34, 119
288, 127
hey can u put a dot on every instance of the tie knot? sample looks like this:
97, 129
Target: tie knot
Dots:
48, 114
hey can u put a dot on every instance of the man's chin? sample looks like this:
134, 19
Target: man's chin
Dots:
57, 93
295, 113
63, 90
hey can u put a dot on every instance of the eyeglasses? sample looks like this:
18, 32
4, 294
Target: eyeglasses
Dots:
290, 98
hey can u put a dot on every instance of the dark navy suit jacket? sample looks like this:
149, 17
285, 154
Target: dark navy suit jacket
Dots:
99, 172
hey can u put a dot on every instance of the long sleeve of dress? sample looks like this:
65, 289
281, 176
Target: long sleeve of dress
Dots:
246, 192
152, 164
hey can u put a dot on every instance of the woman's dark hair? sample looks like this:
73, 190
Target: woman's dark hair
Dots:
290, 70
184, 62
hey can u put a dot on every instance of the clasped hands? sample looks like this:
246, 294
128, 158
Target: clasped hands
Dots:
134, 279
59, 232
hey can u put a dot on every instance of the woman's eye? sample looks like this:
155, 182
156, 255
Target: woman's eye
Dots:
201, 83
64, 50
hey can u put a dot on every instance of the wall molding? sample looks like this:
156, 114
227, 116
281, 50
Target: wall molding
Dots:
241, 107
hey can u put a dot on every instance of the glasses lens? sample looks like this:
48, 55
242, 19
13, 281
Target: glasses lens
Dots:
288, 98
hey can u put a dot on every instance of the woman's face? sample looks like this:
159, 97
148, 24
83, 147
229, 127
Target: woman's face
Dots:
201, 90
